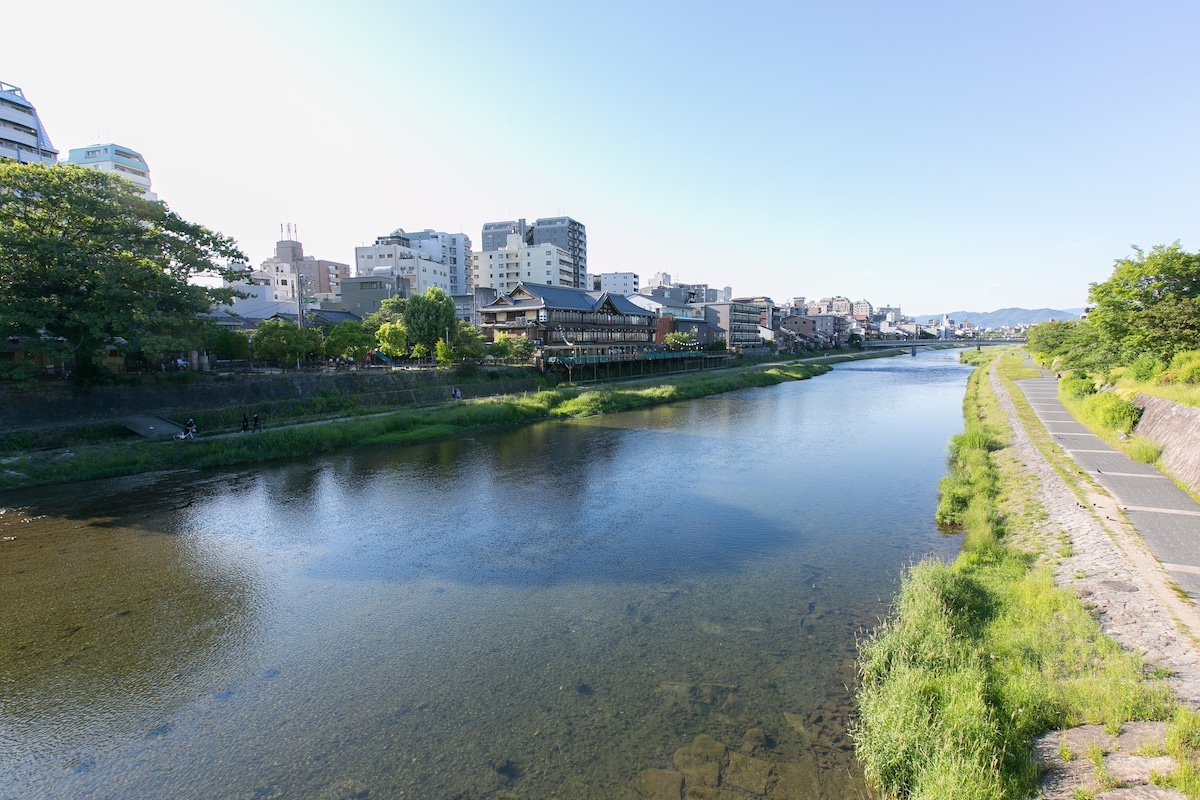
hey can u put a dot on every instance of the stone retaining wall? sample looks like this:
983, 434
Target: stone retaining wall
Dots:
1176, 429
49, 405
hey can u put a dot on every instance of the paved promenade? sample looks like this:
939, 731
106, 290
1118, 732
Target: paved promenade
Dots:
1167, 518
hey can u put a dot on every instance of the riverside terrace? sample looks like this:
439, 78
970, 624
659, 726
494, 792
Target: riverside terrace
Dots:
571, 325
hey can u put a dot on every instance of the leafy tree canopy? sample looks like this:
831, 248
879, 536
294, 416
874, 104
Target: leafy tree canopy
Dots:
348, 339
283, 341
392, 339
390, 310
86, 261
680, 341
429, 317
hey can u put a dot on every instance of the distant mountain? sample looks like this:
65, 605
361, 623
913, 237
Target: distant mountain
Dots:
1005, 316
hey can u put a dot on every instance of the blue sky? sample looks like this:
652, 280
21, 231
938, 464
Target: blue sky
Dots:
934, 155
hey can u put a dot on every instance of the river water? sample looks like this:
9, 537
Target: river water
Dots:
543, 612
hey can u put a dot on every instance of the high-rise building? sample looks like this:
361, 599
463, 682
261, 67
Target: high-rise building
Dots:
543, 264
562, 232
22, 136
116, 159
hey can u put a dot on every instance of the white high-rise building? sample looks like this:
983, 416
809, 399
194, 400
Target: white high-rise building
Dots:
116, 159
426, 258
502, 270
22, 137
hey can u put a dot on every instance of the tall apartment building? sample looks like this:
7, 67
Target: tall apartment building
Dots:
117, 159
543, 264
563, 232
426, 258
22, 137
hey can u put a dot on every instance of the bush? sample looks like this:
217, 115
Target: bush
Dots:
1112, 411
1077, 386
1145, 367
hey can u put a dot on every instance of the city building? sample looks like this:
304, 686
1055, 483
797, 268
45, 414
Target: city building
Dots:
519, 262
739, 321
571, 325
615, 282
364, 295
22, 137
117, 159
659, 279
563, 232
426, 258
318, 278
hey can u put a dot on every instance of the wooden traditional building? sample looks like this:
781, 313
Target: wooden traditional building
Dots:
572, 326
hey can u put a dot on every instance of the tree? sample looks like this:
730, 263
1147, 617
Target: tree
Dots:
680, 341
281, 340
86, 261
469, 341
229, 344
390, 310
392, 339
1134, 310
348, 339
443, 352
429, 317
522, 348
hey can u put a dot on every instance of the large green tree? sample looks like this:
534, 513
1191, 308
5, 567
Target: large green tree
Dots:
86, 262
348, 339
1148, 305
283, 341
390, 310
429, 317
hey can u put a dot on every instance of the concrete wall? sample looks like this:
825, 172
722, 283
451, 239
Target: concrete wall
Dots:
1176, 429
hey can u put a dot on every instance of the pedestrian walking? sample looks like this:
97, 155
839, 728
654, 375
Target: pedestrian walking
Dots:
255, 423
245, 423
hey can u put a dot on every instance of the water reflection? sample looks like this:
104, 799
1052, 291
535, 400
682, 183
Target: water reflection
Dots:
545, 611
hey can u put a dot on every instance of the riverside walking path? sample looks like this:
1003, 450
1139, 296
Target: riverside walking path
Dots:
1131, 533
1167, 517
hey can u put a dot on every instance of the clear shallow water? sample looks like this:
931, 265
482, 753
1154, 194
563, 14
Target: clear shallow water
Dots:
543, 612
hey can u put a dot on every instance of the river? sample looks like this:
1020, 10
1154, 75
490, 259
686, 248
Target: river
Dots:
548, 611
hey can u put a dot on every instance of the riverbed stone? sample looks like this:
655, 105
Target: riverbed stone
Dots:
797, 781
697, 771
754, 738
705, 746
749, 774
659, 784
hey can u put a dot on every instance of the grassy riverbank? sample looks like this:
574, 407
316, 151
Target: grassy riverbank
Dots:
984, 653
410, 425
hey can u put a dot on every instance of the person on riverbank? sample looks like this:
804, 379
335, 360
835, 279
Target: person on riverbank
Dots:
257, 425
245, 423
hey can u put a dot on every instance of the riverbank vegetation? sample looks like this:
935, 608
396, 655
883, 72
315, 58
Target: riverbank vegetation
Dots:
984, 653
1143, 330
412, 424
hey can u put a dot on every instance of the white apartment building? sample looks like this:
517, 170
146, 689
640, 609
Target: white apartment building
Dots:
22, 137
502, 270
616, 283
117, 159
426, 258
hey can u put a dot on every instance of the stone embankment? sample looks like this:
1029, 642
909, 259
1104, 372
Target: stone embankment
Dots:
1129, 591
1176, 429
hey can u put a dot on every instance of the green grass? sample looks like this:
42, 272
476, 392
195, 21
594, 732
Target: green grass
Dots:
982, 654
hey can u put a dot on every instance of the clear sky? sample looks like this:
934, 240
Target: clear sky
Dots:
934, 155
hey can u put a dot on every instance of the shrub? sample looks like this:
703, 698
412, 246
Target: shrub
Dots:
1145, 367
1077, 385
1112, 411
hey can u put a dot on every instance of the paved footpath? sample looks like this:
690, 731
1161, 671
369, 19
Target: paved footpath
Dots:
1118, 572
1167, 518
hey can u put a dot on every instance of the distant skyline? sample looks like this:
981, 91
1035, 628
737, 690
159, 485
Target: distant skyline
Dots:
930, 155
